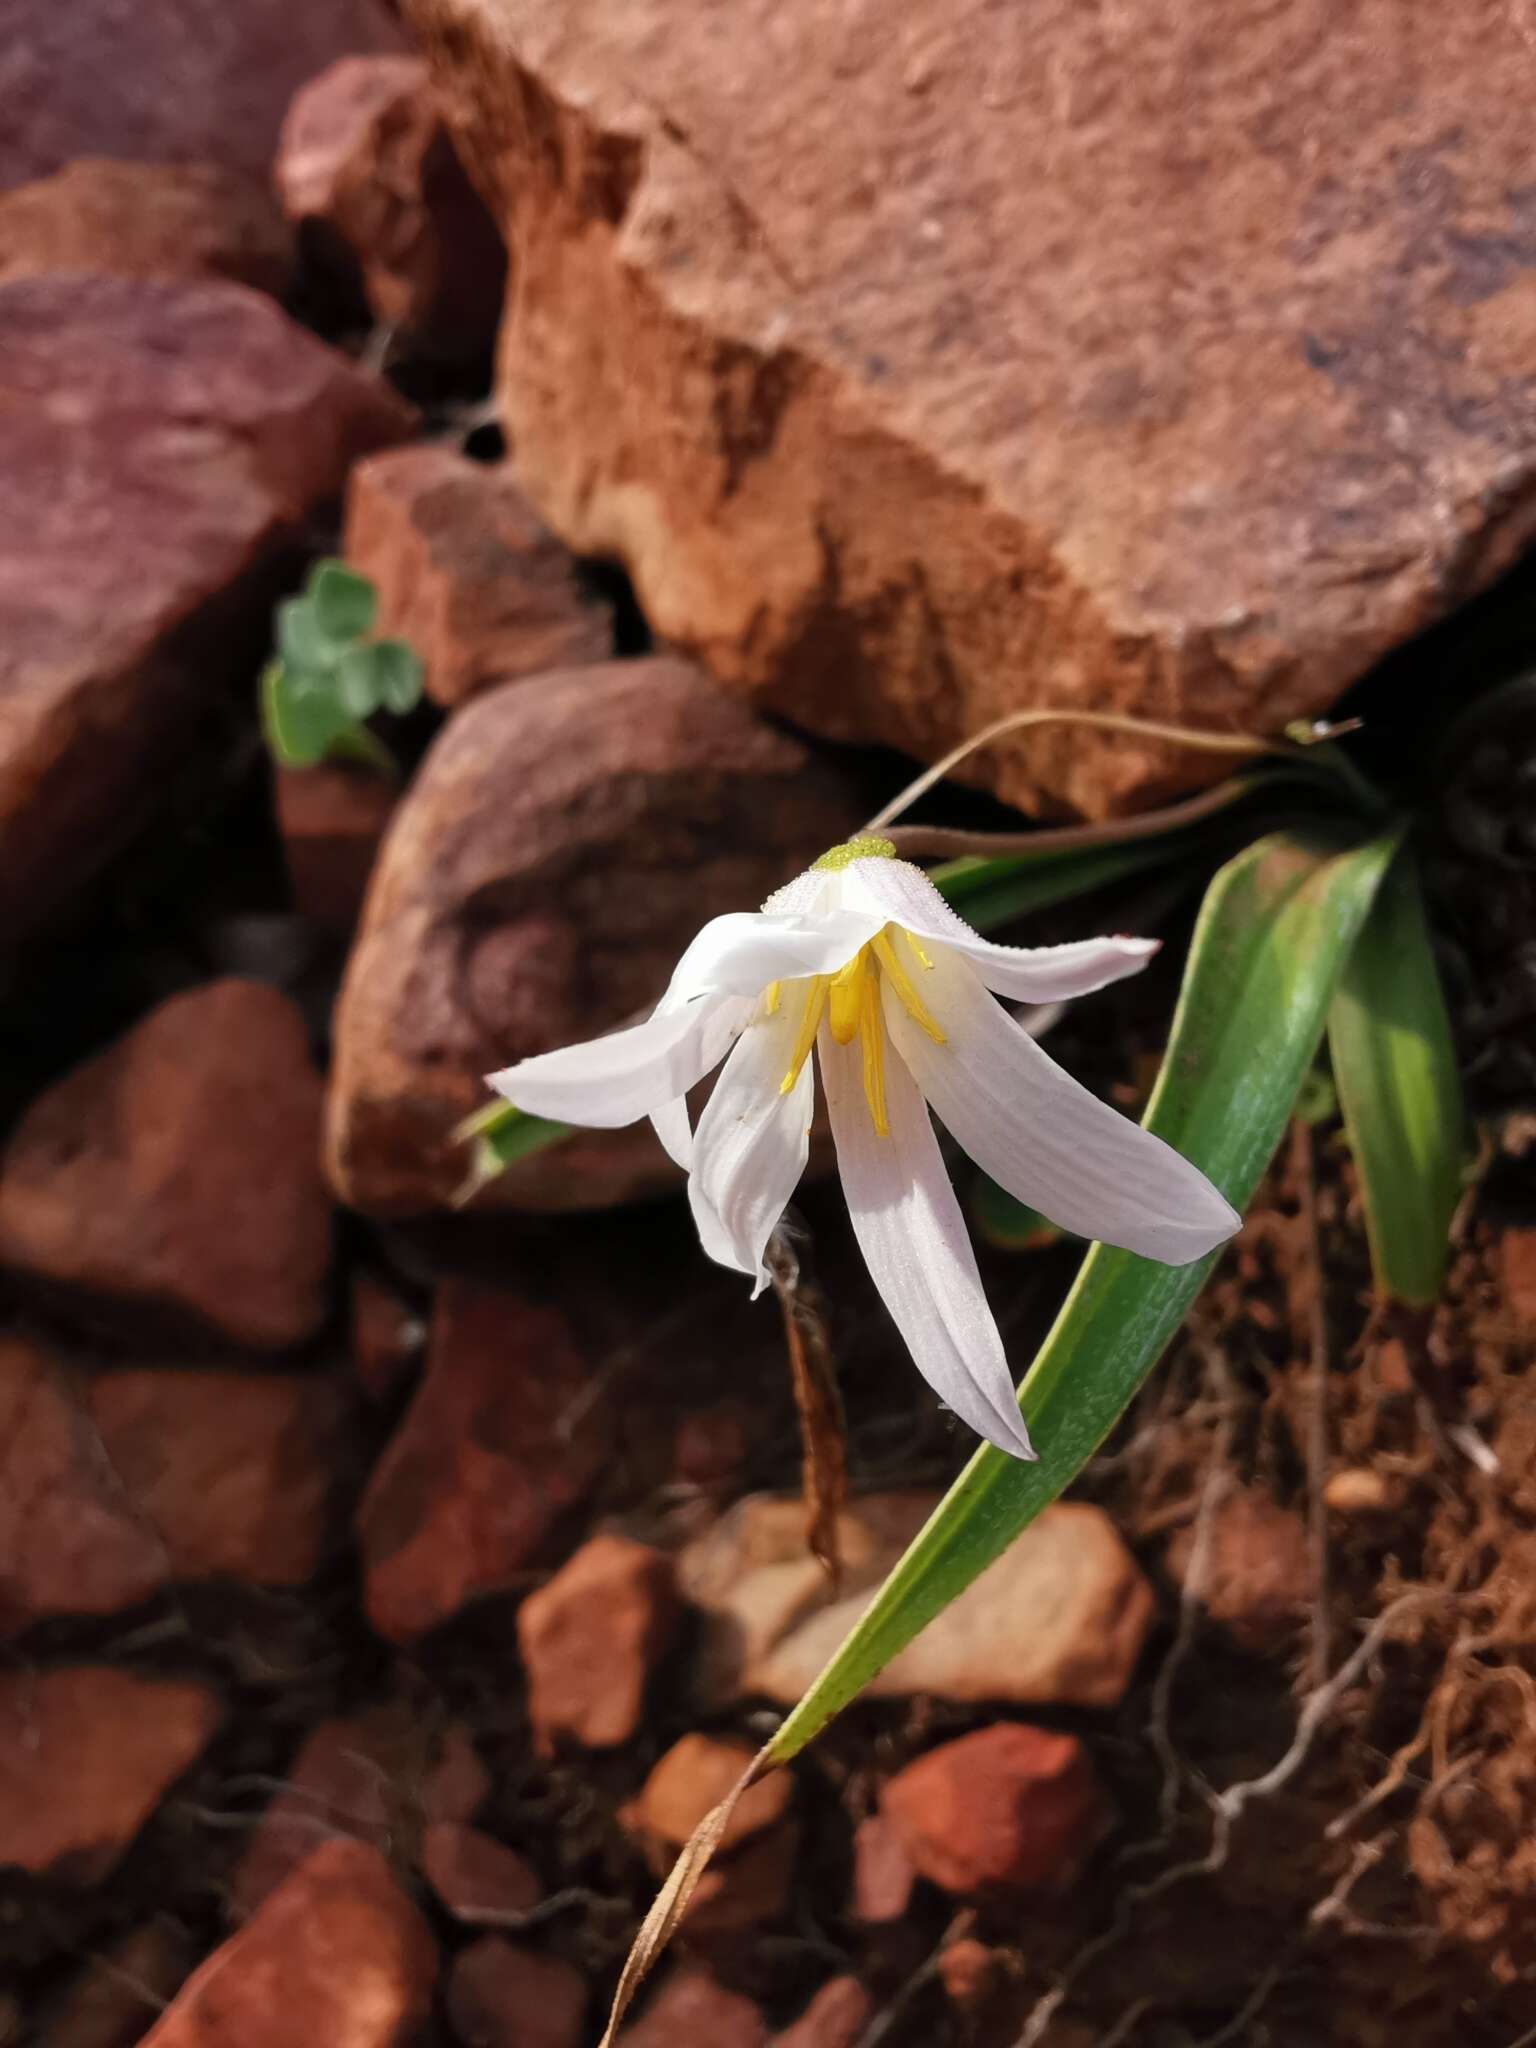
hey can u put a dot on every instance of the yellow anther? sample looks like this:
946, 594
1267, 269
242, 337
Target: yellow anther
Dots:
897, 976
872, 1047
771, 1000
917, 949
805, 1037
847, 997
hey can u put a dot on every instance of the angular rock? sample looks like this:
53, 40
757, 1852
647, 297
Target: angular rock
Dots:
1060, 1618
503, 1996
696, 1774
70, 1540
692, 2007
217, 96
366, 166
147, 220
483, 1464
337, 1943
1517, 1261
480, 1880
332, 818
560, 846
175, 1176
466, 573
161, 446
883, 1875
968, 1970
918, 377
387, 1336
382, 1776
590, 1638
86, 1755
1256, 1577
835, 2018
1008, 1806
233, 1472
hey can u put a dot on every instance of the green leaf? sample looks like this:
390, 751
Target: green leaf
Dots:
301, 642
302, 722
357, 687
1009, 1224
992, 892
1276, 927
399, 675
1395, 1069
343, 602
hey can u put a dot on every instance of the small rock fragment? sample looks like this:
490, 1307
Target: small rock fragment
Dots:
233, 1472
1256, 1577
692, 2008
696, 1774
175, 1176
1008, 1806
1517, 1262
478, 1879
1357, 1490
483, 1464
835, 2017
590, 1638
86, 1755
1059, 1618
466, 573
883, 1876
366, 165
501, 1995
337, 1946
968, 1970
742, 1888
332, 818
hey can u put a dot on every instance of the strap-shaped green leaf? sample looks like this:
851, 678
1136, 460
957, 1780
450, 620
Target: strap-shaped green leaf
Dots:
1395, 1070
1274, 932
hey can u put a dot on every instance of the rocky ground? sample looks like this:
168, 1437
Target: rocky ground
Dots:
387, 1587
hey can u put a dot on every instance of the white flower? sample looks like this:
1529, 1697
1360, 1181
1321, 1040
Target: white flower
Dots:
862, 957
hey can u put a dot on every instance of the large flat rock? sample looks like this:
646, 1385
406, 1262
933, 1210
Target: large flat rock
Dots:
929, 362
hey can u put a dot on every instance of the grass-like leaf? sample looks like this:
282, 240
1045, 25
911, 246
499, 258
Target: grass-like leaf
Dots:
1395, 1070
1274, 933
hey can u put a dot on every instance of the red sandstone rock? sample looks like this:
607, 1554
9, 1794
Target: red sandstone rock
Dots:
485, 1461
883, 1875
86, 1755
968, 1970
692, 2008
337, 1950
696, 1774
232, 1471
1256, 1577
607, 813
480, 1880
147, 220
504, 1996
591, 1637
91, 76
1517, 1259
70, 1541
466, 573
366, 165
162, 446
176, 1173
835, 2018
1006, 359
1007, 1806
332, 818
387, 1336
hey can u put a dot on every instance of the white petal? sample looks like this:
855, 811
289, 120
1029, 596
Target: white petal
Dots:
1027, 974
741, 953
915, 1244
672, 1127
751, 1146
625, 1076
1044, 1137
807, 895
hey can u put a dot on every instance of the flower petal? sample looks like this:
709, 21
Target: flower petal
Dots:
625, 1076
1044, 1137
915, 1244
675, 1132
750, 1148
741, 953
1027, 974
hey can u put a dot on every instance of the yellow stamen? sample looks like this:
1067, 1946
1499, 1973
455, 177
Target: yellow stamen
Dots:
848, 996
872, 1047
805, 1038
897, 976
771, 1000
917, 949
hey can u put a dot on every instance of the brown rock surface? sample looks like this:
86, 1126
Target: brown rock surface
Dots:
164, 84
1007, 1806
387, 1336
232, 1472
561, 844
835, 2018
691, 2007
695, 1775
483, 1464
480, 1880
925, 369
70, 1540
1060, 1618
466, 573
504, 1996
147, 220
86, 1754
176, 1174
590, 1638
1256, 1572
883, 1875
1517, 1263
332, 818
366, 165
338, 1947
161, 444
